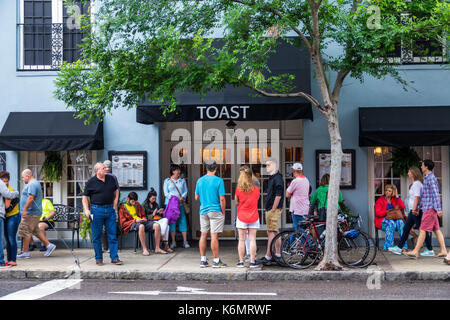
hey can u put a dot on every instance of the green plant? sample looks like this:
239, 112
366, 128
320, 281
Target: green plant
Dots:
85, 227
52, 166
403, 159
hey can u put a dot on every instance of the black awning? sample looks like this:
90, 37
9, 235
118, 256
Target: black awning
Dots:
49, 131
404, 126
240, 103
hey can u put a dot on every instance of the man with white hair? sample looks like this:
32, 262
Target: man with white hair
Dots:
31, 210
273, 208
103, 194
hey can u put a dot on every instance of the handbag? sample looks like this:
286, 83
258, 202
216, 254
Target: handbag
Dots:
187, 210
394, 214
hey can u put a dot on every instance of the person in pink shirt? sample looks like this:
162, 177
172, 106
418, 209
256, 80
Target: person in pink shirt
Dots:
298, 192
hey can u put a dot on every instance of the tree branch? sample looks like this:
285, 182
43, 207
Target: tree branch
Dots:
308, 97
338, 85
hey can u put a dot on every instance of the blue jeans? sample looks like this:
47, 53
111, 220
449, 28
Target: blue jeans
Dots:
104, 215
11, 227
2, 229
296, 219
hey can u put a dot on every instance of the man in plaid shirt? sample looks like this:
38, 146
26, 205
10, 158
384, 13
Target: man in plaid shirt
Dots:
430, 203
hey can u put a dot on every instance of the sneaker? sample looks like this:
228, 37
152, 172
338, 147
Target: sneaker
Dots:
395, 250
264, 261
247, 258
219, 264
117, 262
43, 248
99, 262
204, 264
427, 253
173, 245
5, 265
255, 265
24, 255
31, 247
50, 248
186, 245
240, 265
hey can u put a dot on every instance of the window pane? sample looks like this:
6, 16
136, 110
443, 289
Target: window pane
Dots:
437, 169
427, 153
437, 153
70, 189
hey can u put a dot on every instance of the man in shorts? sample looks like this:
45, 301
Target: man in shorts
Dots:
31, 210
210, 190
273, 208
430, 204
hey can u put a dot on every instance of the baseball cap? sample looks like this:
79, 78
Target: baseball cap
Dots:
297, 166
107, 163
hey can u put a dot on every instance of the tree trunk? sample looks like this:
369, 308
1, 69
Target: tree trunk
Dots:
330, 257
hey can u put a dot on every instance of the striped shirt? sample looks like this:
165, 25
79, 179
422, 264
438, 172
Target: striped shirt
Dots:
429, 195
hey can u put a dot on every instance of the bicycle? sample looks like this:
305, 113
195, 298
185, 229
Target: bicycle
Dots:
300, 250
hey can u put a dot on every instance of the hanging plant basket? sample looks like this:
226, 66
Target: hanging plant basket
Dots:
403, 159
52, 166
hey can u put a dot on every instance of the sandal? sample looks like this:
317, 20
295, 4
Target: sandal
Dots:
167, 247
441, 255
160, 252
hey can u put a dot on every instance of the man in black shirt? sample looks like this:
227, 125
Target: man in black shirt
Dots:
273, 208
103, 194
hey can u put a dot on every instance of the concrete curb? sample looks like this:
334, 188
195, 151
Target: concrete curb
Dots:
301, 275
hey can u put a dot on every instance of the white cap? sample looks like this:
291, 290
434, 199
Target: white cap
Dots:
297, 166
107, 163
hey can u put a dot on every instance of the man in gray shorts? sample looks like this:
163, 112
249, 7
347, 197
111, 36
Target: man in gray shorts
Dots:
210, 190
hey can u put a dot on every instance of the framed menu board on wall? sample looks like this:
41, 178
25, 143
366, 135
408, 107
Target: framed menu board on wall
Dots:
130, 168
323, 163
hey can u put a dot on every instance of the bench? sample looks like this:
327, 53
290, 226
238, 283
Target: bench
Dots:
69, 215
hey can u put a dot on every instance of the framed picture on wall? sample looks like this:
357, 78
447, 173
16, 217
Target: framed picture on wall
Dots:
130, 168
323, 163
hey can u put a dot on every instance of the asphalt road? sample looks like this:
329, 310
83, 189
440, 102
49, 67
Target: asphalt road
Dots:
230, 290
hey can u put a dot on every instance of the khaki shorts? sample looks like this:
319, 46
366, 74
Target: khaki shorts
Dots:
29, 226
212, 221
272, 219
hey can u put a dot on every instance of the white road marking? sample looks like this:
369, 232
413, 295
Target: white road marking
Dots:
42, 290
196, 291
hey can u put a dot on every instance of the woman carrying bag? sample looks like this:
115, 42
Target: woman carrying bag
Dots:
176, 186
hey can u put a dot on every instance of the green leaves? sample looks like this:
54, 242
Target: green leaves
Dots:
155, 49
52, 166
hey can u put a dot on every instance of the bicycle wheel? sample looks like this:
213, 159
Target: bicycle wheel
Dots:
353, 251
280, 236
300, 250
371, 255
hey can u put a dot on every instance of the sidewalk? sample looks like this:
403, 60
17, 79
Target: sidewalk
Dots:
183, 264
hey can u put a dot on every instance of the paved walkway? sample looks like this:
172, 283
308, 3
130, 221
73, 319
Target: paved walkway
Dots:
183, 264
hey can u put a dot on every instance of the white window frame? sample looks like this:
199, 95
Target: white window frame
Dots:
57, 37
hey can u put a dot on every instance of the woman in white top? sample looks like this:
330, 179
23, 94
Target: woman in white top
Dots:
415, 215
